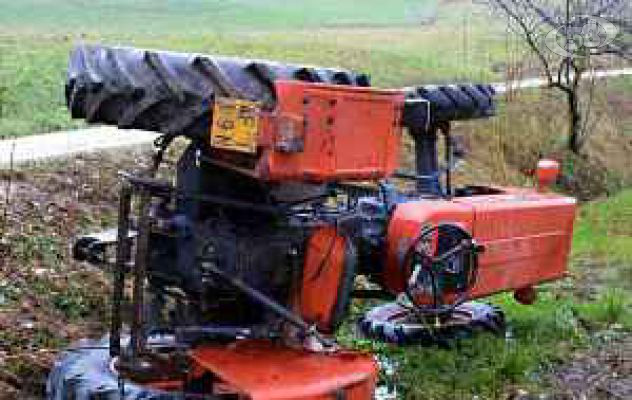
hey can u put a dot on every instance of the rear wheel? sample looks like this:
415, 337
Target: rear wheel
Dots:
173, 93
86, 372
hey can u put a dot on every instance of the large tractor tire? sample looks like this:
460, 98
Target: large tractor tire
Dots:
85, 372
448, 103
173, 93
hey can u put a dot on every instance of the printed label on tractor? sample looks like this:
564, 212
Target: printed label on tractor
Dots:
235, 125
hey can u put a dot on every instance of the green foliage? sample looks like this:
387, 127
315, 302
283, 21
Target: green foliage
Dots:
190, 17
614, 307
538, 338
623, 83
76, 302
3, 91
604, 231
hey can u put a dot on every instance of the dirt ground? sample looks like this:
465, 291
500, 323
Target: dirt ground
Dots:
603, 373
47, 300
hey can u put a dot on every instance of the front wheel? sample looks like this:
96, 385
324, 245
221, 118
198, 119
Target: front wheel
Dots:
400, 324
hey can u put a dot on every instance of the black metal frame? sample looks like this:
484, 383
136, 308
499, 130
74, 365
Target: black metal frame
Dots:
147, 188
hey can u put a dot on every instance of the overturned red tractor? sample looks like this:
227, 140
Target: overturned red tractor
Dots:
242, 267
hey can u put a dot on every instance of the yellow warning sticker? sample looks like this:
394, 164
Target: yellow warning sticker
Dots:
235, 125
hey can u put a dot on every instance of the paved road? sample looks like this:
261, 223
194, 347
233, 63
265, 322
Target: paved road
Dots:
531, 83
63, 144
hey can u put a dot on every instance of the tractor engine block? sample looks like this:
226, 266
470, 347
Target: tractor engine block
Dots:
258, 255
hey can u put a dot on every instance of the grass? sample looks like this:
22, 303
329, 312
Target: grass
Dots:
604, 231
486, 366
620, 87
613, 307
398, 43
190, 17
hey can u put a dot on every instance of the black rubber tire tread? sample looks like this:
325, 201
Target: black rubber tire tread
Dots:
172, 92
84, 373
378, 324
480, 98
455, 102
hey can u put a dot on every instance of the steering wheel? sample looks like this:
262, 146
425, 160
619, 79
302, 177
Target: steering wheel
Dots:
443, 263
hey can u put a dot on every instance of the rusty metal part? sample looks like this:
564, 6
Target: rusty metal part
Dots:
283, 312
527, 295
140, 274
122, 255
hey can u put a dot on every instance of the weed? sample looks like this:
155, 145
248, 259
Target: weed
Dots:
603, 232
538, 338
3, 91
77, 302
46, 249
612, 307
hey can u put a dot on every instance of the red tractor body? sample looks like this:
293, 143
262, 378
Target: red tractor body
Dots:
321, 133
314, 133
525, 236
247, 258
262, 371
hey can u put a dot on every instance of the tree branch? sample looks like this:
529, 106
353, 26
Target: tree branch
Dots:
548, 19
529, 37
528, 19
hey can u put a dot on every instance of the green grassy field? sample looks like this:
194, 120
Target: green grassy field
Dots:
190, 17
397, 42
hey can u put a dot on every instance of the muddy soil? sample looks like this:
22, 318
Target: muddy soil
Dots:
47, 300
604, 373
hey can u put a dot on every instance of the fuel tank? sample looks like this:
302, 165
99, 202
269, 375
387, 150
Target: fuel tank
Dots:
525, 236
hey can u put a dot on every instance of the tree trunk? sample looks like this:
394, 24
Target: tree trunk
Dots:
575, 139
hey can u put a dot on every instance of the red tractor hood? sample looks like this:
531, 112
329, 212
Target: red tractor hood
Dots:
526, 236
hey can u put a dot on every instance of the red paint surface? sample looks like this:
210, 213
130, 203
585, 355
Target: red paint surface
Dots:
547, 172
322, 272
526, 236
261, 370
347, 133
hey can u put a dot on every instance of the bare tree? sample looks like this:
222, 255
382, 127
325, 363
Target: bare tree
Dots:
567, 38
